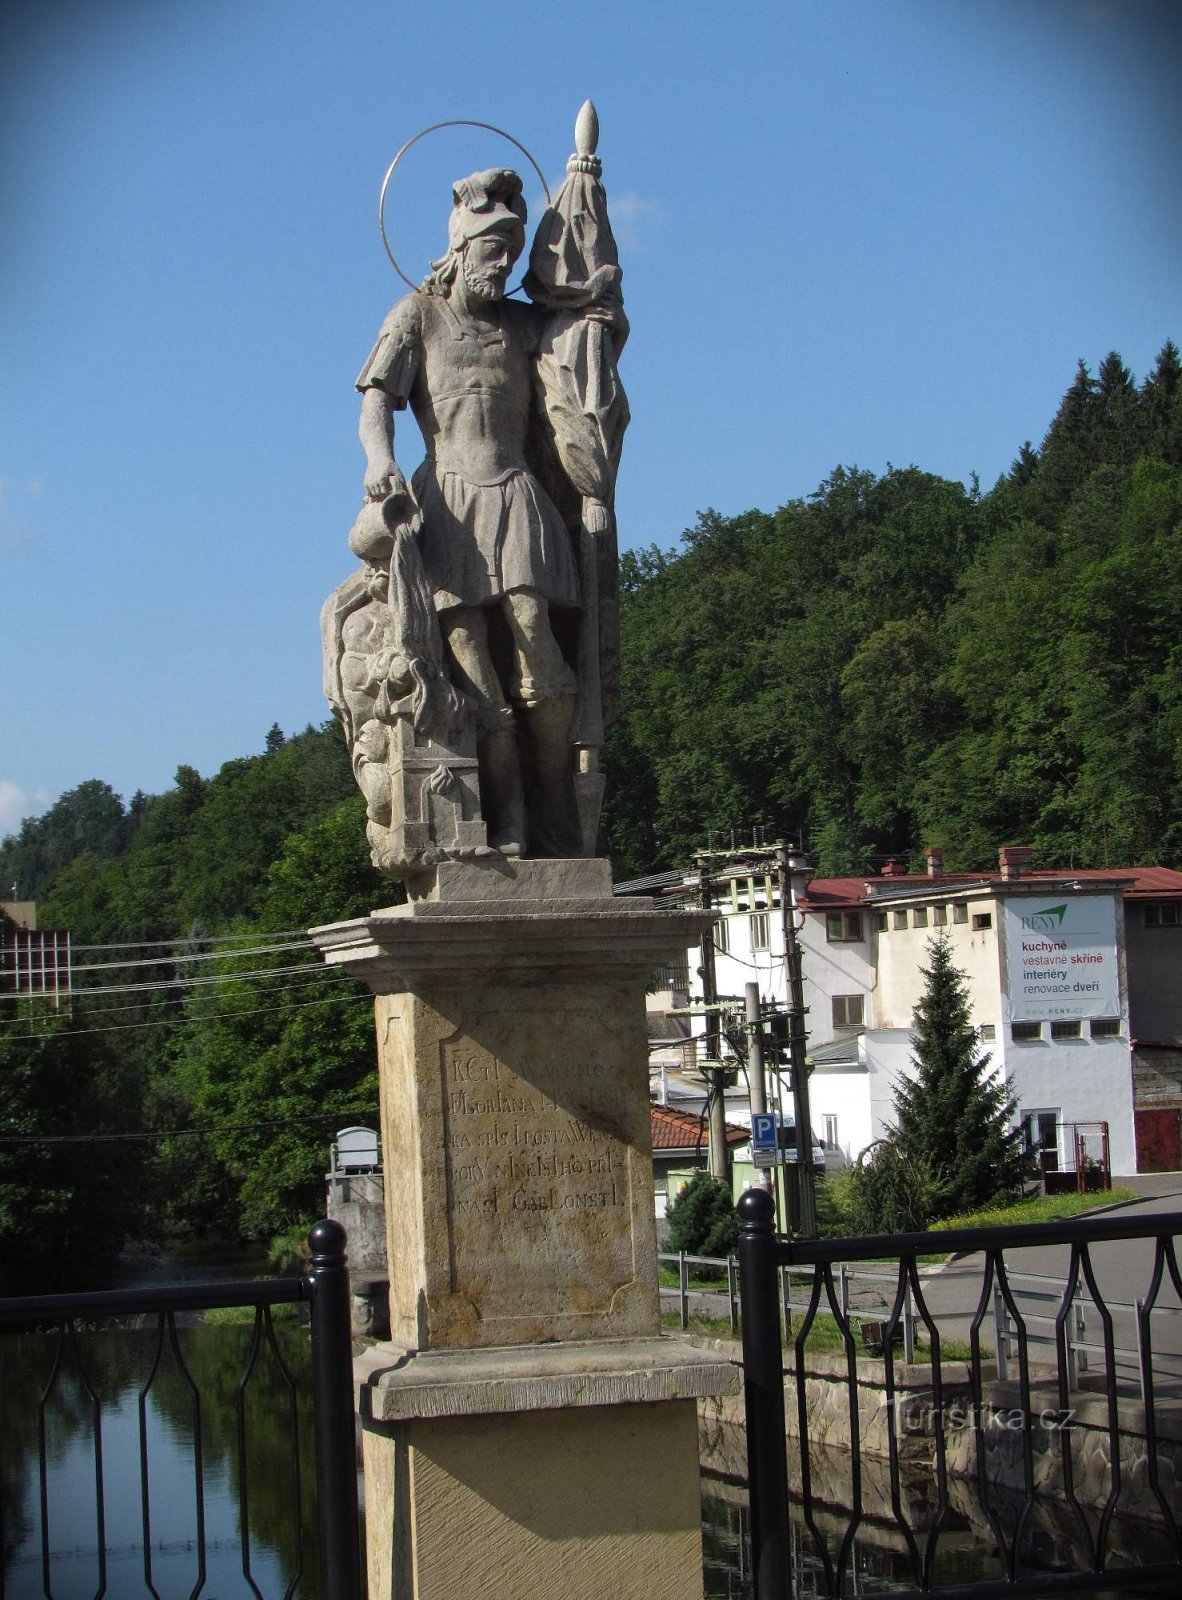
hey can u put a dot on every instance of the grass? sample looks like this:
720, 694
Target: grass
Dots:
668, 1279
1039, 1208
823, 1335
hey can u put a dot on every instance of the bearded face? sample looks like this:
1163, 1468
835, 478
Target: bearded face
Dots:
486, 263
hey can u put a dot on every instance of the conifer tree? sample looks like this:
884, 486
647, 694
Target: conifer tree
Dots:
954, 1113
1161, 398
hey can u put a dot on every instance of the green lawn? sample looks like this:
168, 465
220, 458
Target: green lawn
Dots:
1040, 1208
823, 1335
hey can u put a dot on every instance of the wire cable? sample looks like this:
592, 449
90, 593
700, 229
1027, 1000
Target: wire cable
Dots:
182, 1133
180, 1022
197, 938
200, 955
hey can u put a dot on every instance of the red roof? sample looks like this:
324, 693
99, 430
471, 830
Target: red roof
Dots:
1139, 883
682, 1130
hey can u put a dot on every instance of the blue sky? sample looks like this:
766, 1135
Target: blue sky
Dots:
857, 232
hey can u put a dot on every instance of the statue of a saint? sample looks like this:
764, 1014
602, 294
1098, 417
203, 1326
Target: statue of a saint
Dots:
500, 552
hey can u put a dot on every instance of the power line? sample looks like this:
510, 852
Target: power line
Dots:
200, 955
184, 1133
178, 1022
316, 979
193, 983
199, 938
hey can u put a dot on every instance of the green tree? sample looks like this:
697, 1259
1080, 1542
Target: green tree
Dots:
888, 1191
955, 1116
702, 1219
269, 1063
68, 1196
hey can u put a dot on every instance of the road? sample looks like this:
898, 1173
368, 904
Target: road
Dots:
1122, 1270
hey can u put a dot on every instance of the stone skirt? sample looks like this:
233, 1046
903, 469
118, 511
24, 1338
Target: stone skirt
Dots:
481, 540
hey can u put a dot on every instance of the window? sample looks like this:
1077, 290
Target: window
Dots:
1025, 1032
1066, 1030
843, 927
848, 1010
1164, 915
919, 917
960, 913
900, 919
982, 920
881, 921
1105, 1027
759, 930
830, 1131
722, 937
986, 1031
940, 916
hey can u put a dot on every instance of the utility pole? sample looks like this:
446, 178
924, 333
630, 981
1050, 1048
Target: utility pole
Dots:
716, 1076
797, 1043
755, 1079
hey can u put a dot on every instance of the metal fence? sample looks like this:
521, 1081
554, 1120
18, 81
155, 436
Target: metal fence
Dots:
325, 1290
1087, 1564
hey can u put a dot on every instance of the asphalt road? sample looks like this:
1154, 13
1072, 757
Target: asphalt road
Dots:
1122, 1270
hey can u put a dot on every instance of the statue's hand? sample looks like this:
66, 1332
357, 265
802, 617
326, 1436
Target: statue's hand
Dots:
382, 478
596, 517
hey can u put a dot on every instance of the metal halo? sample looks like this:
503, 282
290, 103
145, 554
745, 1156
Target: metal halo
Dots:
454, 122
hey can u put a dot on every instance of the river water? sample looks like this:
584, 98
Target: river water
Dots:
191, 1468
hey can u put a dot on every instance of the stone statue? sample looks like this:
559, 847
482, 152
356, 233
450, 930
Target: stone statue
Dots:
472, 658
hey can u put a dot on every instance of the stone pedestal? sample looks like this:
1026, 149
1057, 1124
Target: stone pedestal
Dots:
527, 1427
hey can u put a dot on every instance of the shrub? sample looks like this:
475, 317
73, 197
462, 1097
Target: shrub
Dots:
702, 1220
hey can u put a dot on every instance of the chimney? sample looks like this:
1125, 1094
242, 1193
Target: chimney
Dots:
935, 860
1014, 859
894, 868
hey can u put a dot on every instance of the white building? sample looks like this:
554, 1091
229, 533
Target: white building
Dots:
1074, 977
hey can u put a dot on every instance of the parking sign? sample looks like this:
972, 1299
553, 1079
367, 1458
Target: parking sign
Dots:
763, 1130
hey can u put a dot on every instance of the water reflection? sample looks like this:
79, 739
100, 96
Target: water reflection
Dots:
878, 1558
217, 1476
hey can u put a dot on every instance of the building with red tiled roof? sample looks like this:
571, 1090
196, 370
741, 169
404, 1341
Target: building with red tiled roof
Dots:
1075, 979
679, 1141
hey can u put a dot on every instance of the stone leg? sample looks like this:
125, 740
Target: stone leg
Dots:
501, 791
554, 825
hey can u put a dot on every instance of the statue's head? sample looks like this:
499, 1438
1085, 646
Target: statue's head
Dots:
485, 234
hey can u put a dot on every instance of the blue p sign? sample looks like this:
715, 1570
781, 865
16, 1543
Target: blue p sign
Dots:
763, 1130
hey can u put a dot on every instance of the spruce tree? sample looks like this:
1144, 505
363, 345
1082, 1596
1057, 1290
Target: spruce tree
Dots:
954, 1113
1161, 396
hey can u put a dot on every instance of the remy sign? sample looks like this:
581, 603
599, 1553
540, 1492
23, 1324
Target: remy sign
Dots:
1061, 957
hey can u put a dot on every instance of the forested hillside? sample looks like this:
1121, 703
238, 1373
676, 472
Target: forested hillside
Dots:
899, 661
892, 662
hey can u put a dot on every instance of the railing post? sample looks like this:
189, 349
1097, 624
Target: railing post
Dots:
763, 1385
683, 1288
1081, 1330
732, 1291
908, 1326
332, 1399
1001, 1333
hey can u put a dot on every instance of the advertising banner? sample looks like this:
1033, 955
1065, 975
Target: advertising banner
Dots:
1061, 957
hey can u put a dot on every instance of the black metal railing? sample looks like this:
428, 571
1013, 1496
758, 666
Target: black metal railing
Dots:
325, 1290
1082, 1558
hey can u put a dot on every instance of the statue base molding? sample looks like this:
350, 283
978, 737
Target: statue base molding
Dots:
572, 1470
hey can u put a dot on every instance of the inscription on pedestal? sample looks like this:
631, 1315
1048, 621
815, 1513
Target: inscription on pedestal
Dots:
538, 1180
